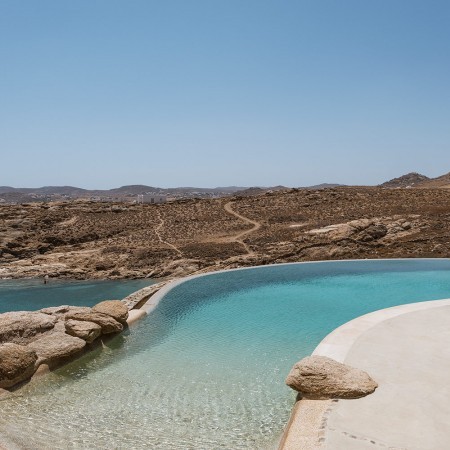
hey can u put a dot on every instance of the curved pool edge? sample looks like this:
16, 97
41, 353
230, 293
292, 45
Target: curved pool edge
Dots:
306, 424
335, 345
338, 343
153, 301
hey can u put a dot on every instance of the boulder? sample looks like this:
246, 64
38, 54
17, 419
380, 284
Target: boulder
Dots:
54, 347
55, 309
17, 363
319, 377
373, 232
21, 327
89, 331
114, 308
61, 311
107, 323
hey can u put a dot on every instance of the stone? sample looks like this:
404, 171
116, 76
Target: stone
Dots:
61, 311
319, 377
21, 327
114, 308
53, 348
55, 309
360, 224
373, 232
17, 363
107, 323
89, 331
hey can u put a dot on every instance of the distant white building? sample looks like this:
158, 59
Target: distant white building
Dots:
151, 198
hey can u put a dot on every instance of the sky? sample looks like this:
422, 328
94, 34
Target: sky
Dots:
104, 93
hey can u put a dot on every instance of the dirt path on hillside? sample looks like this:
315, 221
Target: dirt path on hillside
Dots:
239, 237
157, 232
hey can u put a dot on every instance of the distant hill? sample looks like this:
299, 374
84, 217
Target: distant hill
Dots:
325, 186
9, 194
132, 189
247, 192
45, 190
442, 182
6, 189
46, 193
60, 190
411, 179
193, 190
15, 197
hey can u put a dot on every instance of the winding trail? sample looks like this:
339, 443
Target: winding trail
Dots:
157, 232
239, 237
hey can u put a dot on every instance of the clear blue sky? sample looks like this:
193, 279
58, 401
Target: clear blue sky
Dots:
102, 93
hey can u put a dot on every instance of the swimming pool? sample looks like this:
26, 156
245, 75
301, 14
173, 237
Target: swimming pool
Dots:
32, 294
206, 369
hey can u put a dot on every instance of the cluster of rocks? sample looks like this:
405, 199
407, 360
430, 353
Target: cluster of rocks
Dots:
367, 230
320, 377
52, 336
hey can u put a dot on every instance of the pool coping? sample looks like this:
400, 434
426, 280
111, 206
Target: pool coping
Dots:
308, 417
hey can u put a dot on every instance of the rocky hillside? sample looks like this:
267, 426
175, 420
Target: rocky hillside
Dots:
442, 182
416, 180
108, 240
409, 180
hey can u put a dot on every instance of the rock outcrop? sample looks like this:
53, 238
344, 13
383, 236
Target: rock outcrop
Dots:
17, 363
51, 349
319, 377
22, 327
114, 308
366, 230
405, 181
107, 323
52, 336
61, 311
88, 331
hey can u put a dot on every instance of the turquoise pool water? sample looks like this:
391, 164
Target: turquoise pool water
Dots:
206, 369
32, 294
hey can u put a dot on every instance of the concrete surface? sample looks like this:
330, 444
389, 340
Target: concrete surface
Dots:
406, 350
409, 356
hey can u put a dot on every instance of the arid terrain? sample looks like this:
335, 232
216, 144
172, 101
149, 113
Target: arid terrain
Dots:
81, 239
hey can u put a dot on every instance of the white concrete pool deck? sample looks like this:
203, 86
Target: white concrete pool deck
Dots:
406, 349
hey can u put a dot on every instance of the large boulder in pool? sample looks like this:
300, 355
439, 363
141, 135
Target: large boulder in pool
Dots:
88, 331
319, 377
114, 308
107, 323
17, 363
56, 347
21, 327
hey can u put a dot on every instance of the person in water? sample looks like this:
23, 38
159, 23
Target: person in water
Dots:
46, 279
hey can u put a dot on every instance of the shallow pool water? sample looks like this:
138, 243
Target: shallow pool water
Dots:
33, 294
206, 369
